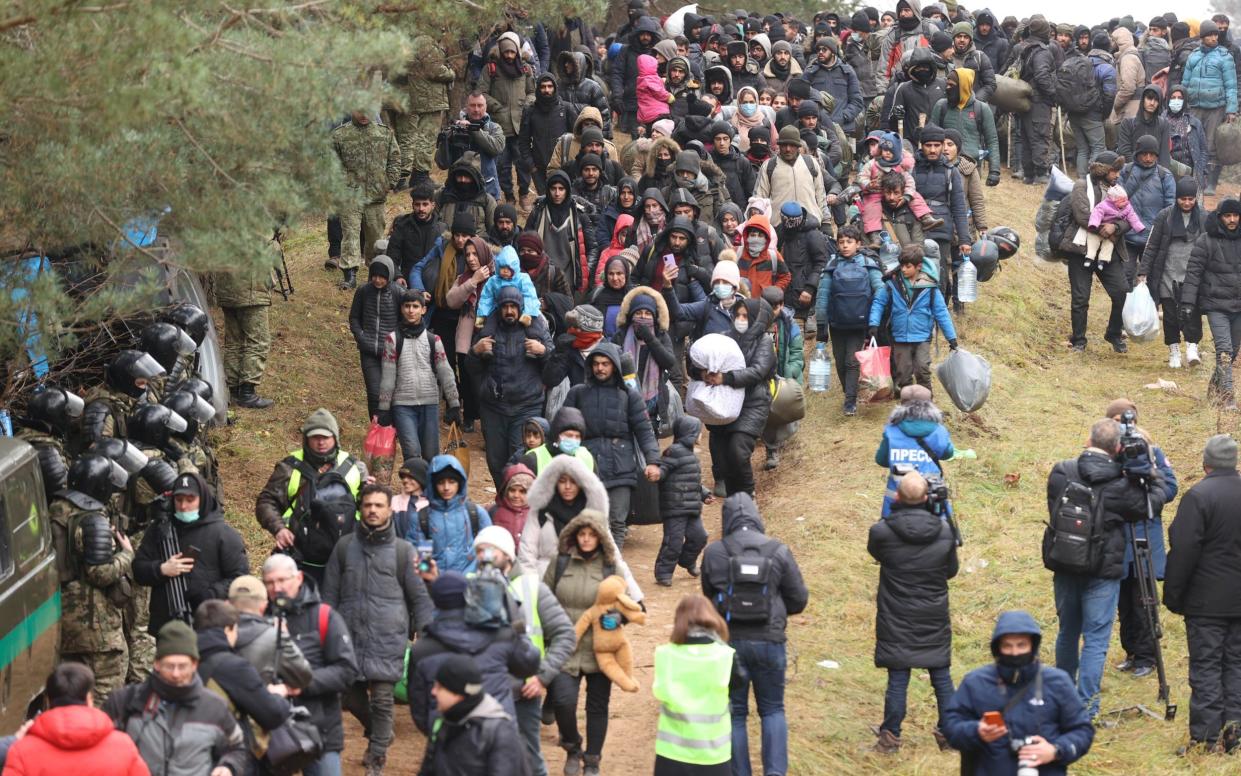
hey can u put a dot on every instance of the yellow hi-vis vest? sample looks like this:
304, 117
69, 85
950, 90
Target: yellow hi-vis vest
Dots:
691, 685
525, 588
352, 475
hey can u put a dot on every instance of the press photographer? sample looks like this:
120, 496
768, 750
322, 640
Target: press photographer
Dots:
473, 130
1088, 502
1136, 636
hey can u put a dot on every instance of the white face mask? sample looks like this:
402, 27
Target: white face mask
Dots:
741, 325
755, 244
1175, 104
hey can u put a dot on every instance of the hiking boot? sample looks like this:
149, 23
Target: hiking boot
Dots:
249, 398
1191, 354
1174, 356
402, 184
693, 571
349, 281
419, 176
663, 581
929, 222
720, 490
468, 428
374, 765
1041, 180
773, 459
941, 740
1142, 671
590, 765
1209, 191
887, 743
573, 762
850, 407
333, 262
1118, 344
1078, 347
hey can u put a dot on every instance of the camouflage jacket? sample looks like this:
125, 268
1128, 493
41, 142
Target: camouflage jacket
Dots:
429, 79
53, 462
106, 414
370, 158
92, 597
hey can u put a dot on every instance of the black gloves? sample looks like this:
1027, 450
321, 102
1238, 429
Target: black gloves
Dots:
565, 341
898, 112
1138, 466
872, 333
644, 333
952, 344
384, 417
821, 336
993, 178
452, 416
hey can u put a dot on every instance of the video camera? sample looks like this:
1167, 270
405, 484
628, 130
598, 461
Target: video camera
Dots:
1132, 443
938, 497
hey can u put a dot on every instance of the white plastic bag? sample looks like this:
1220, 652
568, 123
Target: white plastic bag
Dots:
967, 379
674, 25
1140, 317
715, 405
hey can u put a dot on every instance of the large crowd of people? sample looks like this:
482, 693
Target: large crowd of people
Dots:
637, 234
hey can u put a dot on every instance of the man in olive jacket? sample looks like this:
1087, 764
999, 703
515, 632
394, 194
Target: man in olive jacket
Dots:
1201, 582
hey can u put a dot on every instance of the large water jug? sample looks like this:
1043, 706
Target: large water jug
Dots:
820, 369
967, 281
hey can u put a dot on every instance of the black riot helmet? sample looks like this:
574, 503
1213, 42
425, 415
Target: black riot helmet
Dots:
196, 410
166, 342
129, 367
194, 385
153, 424
190, 318
53, 410
130, 458
97, 476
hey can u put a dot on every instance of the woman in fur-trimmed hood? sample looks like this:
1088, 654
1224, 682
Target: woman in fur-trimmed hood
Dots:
642, 332
553, 506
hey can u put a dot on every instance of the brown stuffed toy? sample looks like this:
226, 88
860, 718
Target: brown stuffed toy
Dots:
612, 650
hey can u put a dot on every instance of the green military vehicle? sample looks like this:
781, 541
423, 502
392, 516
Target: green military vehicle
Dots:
29, 585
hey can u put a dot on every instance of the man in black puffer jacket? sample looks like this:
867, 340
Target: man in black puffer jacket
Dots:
1213, 283
805, 250
680, 502
478, 735
1086, 602
374, 314
215, 622
543, 121
615, 419
917, 556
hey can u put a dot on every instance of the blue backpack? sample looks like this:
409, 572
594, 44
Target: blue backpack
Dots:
849, 304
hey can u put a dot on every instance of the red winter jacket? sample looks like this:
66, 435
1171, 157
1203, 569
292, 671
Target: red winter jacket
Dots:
74, 739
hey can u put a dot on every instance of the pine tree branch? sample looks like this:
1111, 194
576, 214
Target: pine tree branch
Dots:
194, 141
22, 21
125, 236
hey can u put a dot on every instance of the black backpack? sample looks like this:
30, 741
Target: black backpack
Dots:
331, 514
751, 577
1074, 539
1077, 89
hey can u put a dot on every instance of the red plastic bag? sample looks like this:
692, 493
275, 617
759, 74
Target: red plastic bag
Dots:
380, 449
875, 378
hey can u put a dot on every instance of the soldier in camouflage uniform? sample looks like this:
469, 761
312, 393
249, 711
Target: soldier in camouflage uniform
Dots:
51, 415
125, 387
372, 163
94, 561
245, 299
417, 130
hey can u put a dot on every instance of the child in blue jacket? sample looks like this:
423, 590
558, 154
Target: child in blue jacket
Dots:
508, 273
916, 303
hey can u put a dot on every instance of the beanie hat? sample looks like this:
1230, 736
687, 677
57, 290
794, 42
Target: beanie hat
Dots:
912, 393
789, 135
810, 138
931, 134
721, 128
1208, 28
956, 138
176, 638
1187, 187
459, 674
463, 222
828, 42
592, 135
962, 28
1146, 145
799, 88
860, 22
807, 108
1039, 28
505, 211
1220, 452
1064, 29
321, 422
590, 160
940, 41
1108, 159
589, 319
415, 467
643, 302
529, 240
687, 161
499, 537
663, 127
781, 45
448, 591
247, 586
1158, 21
1178, 32
760, 135
727, 272
772, 295
1229, 206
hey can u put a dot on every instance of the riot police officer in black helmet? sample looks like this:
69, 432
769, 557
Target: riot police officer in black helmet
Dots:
191, 319
125, 386
173, 348
188, 448
52, 416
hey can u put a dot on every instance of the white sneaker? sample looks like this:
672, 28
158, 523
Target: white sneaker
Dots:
1174, 356
1191, 354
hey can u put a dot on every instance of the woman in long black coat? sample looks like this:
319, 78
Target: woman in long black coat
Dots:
917, 555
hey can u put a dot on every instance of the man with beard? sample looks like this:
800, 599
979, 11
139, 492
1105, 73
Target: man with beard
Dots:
828, 73
910, 32
413, 234
508, 82
1038, 68
542, 122
989, 39
909, 106
589, 186
965, 54
623, 77
503, 229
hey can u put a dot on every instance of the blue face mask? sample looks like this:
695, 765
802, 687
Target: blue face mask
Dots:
748, 109
569, 445
187, 517
723, 290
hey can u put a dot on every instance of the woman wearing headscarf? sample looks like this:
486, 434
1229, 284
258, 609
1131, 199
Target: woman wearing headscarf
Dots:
654, 219
612, 291
642, 332
512, 505
749, 114
627, 202
462, 298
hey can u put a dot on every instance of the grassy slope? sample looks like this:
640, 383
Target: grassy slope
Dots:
827, 492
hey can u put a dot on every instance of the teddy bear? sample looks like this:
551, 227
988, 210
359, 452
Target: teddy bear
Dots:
612, 650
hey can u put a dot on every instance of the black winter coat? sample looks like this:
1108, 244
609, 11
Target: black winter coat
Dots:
1123, 502
680, 481
239, 680
411, 240
581, 90
616, 422
1213, 280
511, 379
743, 527
332, 662
805, 250
1203, 573
944, 191
564, 361
383, 603
917, 556
485, 742
375, 312
1156, 251
222, 559
541, 128
760, 367
738, 174
1038, 68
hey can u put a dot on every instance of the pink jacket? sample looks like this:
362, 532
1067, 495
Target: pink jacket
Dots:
872, 171
1106, 213
652, 96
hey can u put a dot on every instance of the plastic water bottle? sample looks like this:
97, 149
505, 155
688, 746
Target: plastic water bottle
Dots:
967, 281
889, 252
820, 369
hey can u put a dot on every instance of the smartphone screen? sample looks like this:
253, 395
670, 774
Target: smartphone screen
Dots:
191, 552
670, 261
